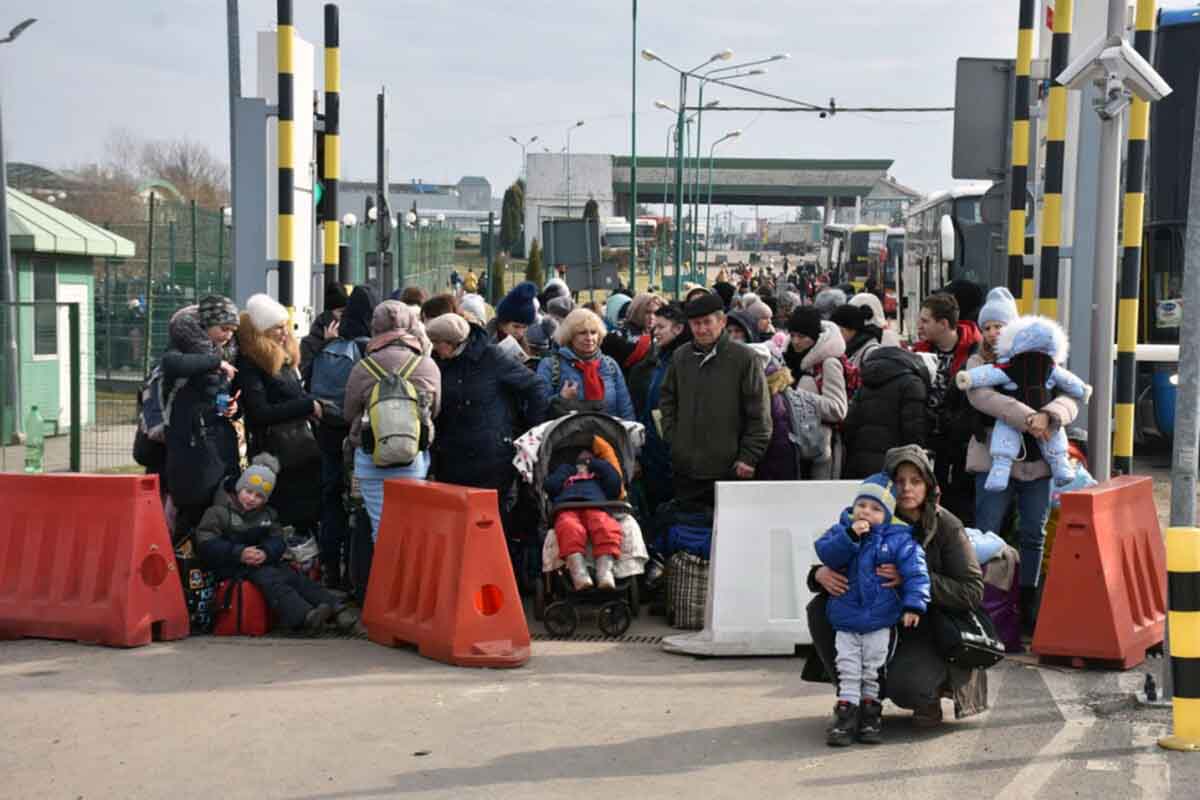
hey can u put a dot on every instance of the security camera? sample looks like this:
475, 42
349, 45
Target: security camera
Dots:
1116, 102
1114, 60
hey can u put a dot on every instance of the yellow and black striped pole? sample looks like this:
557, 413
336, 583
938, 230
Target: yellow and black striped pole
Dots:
333, 143
1131, 254
1056, 134
287, 153
1183, 620
1018, 283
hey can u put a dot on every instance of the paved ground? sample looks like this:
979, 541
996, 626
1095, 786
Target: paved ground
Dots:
288, 718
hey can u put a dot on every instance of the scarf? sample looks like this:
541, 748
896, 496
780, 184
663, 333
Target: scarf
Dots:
593, 384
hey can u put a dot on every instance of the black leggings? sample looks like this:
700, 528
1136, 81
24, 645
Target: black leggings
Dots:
289, 593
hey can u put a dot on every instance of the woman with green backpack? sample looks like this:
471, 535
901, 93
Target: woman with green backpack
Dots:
392, 396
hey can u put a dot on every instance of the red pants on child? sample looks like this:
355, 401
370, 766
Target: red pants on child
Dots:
572, 528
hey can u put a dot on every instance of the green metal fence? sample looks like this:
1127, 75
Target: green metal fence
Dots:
424, 257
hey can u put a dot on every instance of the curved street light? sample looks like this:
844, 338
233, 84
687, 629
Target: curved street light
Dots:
524, 146
708, 206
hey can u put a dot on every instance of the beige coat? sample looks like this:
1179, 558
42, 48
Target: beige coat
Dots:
831, 399
1062, 411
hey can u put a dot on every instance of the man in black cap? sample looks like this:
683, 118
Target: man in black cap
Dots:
716, 411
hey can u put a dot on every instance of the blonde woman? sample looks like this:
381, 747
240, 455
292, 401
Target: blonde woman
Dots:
578, 376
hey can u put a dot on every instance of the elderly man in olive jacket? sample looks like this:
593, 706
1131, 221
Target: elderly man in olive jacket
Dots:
716, 411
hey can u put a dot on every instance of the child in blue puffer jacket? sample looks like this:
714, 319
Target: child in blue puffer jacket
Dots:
864, 538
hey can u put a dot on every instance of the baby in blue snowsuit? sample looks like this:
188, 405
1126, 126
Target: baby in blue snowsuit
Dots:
863, 617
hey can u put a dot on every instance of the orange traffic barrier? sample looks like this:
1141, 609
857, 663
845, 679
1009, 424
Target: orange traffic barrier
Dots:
441, 577
87, 558
1105, 599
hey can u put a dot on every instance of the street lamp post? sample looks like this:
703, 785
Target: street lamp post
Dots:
708, 205
650, 55
8, 271
569, 131
633, 187
524, 157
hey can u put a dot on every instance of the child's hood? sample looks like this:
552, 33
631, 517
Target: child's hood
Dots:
1033, 335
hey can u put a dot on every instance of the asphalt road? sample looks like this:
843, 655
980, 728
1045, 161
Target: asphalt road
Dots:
286, 718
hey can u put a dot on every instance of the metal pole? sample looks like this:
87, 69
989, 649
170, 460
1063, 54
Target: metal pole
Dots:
679, 133
569, 169
1131, 256
333, 142
285, 36
149, 290
195, 257
696, 182
633, 186
221, 251
1020, 161
8, 285
234, 53
108, 337
76, 369
1056, 134
382, 207
708, 208
1104, 290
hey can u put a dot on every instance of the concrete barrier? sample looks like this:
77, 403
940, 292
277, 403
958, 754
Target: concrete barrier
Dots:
762, 551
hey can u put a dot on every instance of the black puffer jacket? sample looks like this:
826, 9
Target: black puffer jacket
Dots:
889, 410
201, 444
487, 400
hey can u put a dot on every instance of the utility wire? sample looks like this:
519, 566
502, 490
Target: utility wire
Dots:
830, 109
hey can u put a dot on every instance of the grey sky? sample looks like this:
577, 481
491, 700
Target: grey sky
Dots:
464, 75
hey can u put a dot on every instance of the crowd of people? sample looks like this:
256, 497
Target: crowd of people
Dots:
758, 377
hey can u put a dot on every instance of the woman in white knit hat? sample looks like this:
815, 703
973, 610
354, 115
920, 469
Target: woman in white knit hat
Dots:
274, 402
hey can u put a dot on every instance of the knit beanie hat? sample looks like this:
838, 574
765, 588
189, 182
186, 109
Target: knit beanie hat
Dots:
216, 310
517, 305
725, 291
827, 300
851, 316
260, 476
879, 487
335, 296
758, 311
559, 307
474, 305
805, 320
450, 328
1000, 307
264, 312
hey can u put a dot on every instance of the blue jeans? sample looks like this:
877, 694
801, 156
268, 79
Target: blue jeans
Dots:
371, 478
1033, 509
333, 512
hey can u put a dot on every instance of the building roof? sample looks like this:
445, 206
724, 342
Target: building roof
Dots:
34, 226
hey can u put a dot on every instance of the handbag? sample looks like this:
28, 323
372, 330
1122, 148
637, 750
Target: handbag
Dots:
293, 443
966, 639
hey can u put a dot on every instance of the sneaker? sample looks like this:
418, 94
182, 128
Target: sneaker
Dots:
844, 725
315, 619
929, 716
870, 722
604, 573
580, 578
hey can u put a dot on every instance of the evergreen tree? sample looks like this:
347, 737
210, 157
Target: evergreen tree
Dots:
509, 223
591, 210
533, 272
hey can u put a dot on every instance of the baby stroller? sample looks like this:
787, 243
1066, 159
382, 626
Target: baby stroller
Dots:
539, 452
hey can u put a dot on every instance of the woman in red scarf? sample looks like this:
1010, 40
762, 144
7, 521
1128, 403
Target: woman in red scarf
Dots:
578, 376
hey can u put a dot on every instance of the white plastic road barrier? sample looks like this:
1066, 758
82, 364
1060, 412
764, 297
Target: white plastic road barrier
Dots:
762, 550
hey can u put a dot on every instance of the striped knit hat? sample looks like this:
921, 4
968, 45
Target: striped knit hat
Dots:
879, 487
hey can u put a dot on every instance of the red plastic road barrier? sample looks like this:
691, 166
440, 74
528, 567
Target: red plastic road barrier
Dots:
1106, 595
441, 577
87, 558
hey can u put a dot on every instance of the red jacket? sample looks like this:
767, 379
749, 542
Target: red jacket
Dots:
969, 338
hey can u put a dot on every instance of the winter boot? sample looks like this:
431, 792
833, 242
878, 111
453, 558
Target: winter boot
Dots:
579, 574
315, 619
870, 722
1029, 609
347, 620
844, 726
604, 573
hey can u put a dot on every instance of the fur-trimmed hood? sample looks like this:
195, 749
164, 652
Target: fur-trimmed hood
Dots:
266, 353
1033, 335
829, 345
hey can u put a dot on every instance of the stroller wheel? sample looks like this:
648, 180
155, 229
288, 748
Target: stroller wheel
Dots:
561, 619
614, 618
539, 598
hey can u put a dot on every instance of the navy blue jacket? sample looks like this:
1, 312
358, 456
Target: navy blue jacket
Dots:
867, 605
226, 530
604, 485
488, 399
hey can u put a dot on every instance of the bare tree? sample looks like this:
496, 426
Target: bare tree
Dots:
190, 167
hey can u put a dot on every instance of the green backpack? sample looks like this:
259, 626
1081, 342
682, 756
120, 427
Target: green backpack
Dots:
394, 415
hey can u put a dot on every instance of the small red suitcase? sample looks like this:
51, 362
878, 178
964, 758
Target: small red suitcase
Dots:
241, 609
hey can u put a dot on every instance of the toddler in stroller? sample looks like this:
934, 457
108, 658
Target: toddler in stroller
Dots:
577, 467
589, 480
